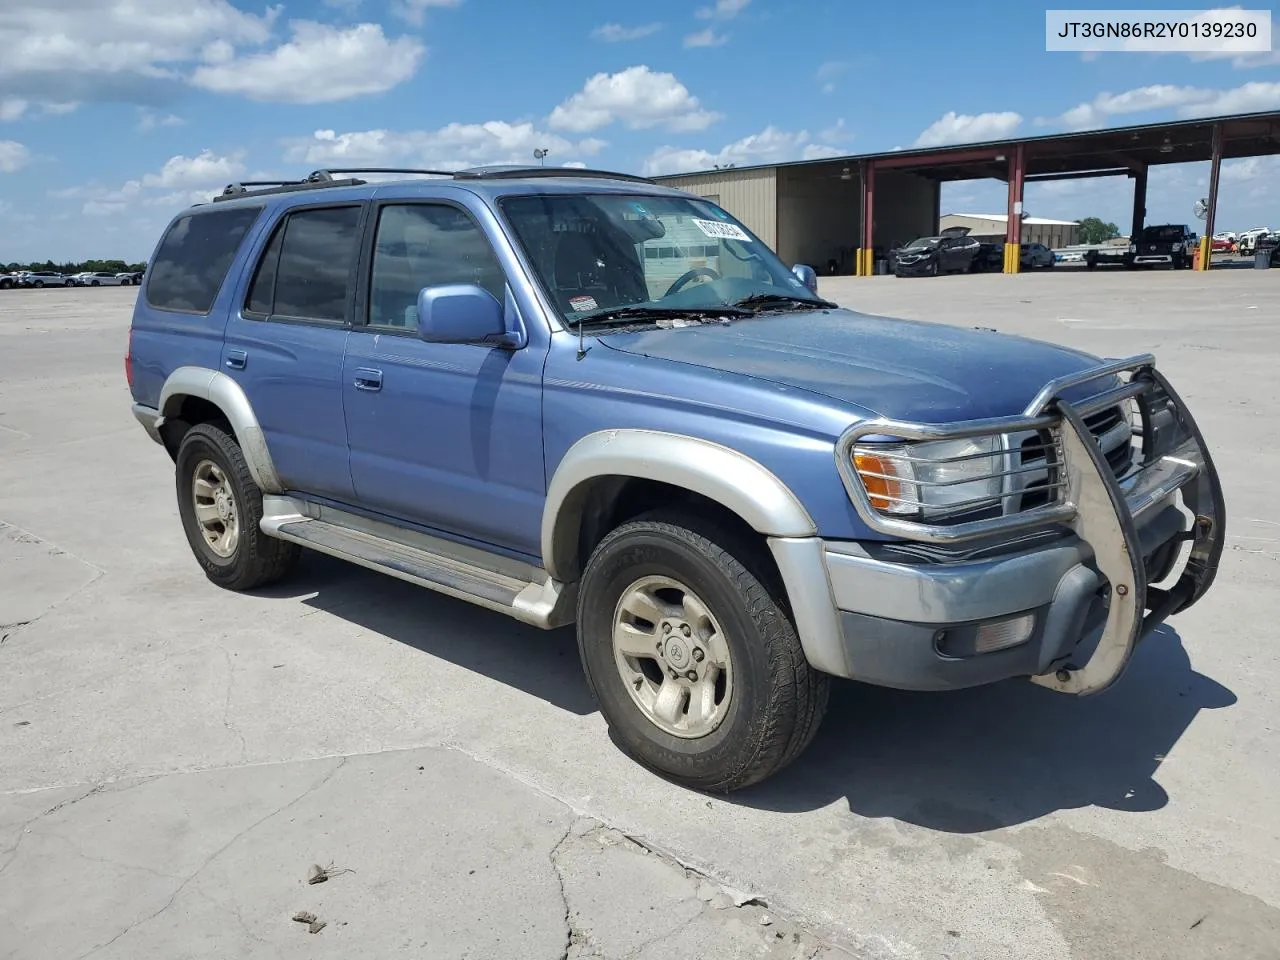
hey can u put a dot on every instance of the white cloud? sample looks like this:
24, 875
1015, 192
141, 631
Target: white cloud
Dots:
415, 11
60, 51
836, 133
206, 168
637, 97
575, 165
181, 182
149, 120
770, 145
1094, 113
451, 147
723, 10
13, 156
1187, 101
321, 64
705, 38
617, 33
1246, 98
12, 108
965, 128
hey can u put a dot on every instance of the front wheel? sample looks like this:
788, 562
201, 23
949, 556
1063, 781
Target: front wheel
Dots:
221, 509
695, 665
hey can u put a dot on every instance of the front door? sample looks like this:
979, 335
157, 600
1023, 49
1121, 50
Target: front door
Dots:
285, 345
446, 435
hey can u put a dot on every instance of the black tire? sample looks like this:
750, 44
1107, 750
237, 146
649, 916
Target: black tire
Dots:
778, 699
93, 283
126, 282
39, 284
257, 559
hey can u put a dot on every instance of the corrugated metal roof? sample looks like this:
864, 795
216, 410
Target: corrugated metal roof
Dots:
924, 153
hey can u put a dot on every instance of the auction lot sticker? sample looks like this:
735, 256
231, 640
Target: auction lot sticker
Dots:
721, 231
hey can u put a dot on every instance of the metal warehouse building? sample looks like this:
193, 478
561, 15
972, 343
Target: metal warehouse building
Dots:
994, 227
850, 211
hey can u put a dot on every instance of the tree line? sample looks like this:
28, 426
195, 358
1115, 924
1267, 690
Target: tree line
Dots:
87, 266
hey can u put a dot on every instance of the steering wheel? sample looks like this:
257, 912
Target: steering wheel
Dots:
691, 275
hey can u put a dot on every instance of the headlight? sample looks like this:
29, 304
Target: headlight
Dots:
931, 480
1177, 247
1133, 248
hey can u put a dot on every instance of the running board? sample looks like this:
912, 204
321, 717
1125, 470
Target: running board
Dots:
517, 589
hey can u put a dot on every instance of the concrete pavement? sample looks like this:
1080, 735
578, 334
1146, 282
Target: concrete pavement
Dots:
174, 758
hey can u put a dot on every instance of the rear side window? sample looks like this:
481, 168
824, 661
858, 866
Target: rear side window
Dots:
194, 257
305, 272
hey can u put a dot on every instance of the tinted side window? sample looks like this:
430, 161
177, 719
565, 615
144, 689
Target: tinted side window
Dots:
194, 257
306, 269
424, 245
262, 291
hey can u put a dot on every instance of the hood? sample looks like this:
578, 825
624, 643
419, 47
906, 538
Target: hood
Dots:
902, 369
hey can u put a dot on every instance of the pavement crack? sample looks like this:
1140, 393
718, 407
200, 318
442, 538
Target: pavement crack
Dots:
12, 853
226, 706
214, 856
570, 933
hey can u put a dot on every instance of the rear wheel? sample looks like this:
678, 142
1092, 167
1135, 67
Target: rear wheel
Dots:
696, 667
221, 509
39, 284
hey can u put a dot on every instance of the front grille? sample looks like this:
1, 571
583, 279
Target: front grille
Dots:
1118, 453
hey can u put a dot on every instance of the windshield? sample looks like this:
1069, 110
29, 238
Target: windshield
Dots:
597, 253
922, 243
1162, 233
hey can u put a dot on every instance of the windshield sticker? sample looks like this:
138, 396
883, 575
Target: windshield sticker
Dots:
721, 231
583, 303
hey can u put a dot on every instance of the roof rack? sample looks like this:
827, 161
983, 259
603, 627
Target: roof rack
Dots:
517, 171
319, 179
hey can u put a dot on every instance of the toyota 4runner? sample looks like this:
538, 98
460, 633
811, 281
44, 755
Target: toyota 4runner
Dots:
577, 397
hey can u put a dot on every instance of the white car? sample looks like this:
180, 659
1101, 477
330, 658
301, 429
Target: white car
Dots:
41, 278
1249, 240
100, 279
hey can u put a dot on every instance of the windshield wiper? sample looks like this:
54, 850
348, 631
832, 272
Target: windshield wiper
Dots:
782, 300
642, 312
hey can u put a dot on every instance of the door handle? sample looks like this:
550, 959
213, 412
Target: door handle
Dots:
236, 359
368, 379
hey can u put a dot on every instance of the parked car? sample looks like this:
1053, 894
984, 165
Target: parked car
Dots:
8, 281
42, 278
1033, 255
131, 279
1222, 244
1249, 239
930, 256
990, 257
733, 487
1171, 243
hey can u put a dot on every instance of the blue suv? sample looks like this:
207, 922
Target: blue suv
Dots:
578, 397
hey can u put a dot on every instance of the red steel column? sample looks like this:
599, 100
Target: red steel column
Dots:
1013, 235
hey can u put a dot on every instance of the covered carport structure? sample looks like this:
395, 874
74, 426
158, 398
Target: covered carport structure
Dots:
878, 198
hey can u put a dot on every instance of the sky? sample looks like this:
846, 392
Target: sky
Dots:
115, 114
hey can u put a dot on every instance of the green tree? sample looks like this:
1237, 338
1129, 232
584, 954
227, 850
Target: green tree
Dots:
1094, 230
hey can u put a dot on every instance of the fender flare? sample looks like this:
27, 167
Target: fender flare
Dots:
717, 472
224, 393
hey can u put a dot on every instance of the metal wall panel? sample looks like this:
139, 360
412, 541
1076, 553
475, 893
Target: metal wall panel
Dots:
750, 195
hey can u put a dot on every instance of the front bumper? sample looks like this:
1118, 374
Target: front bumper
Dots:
1080, 568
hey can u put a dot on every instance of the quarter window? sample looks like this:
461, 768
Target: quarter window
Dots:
193, 259
305, 272
426, 245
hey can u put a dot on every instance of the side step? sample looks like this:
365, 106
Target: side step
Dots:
468, 574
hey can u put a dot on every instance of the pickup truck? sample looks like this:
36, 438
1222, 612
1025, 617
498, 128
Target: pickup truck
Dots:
581, 398
1170, 244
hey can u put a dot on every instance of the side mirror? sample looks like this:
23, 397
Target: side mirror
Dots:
806, 275
462, 313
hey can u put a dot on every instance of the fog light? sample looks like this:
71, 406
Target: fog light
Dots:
1004, 633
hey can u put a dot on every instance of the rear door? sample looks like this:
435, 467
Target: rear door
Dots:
285, 341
